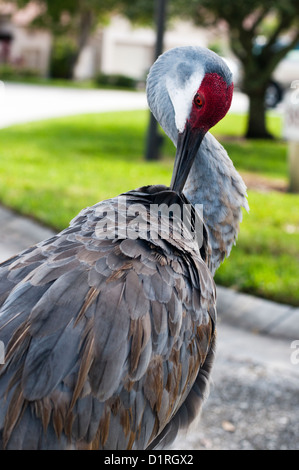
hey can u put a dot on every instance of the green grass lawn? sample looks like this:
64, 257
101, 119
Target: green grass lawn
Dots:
265, 261
258, 156
52, 169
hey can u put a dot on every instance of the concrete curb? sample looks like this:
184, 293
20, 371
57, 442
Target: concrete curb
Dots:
257, 315
240, 310
17, 233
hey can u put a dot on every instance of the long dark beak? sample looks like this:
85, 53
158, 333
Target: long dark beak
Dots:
187, 146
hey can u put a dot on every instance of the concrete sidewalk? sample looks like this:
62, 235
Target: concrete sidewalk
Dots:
241, 310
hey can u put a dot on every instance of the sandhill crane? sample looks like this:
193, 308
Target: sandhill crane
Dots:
109, 326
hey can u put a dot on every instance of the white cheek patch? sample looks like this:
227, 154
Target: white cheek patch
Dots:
182, 97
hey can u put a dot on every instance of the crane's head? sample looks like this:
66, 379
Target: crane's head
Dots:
189, 90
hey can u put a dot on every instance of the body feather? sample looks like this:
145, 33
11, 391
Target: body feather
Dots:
106, 339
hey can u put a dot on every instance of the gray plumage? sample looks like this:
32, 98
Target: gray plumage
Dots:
101, 335
110, 341
178, 64
215, 183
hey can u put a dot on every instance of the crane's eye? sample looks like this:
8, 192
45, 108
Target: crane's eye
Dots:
198, 100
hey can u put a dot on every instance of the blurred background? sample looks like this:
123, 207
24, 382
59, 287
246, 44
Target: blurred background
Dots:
75, 129
115, 44
76, 57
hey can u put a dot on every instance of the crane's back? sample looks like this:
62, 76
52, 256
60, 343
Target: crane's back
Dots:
109, 329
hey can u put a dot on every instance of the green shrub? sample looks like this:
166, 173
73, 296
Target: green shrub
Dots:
11, 72
6, 71
115, 80
62, 58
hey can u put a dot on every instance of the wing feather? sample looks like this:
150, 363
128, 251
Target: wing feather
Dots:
109, 341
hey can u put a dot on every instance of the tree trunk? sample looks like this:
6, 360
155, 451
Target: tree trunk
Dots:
84, 31
256, 121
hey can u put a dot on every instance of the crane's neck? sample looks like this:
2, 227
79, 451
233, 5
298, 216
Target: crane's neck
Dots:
214, 182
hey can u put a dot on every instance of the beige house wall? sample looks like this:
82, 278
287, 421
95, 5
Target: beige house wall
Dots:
128, 50
119, 48
32, 48
29, 48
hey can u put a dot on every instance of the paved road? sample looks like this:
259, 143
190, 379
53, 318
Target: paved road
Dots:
23, 103
254, 399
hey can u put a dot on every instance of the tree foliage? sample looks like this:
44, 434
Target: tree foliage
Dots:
246, 21
75, 19
67, 15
